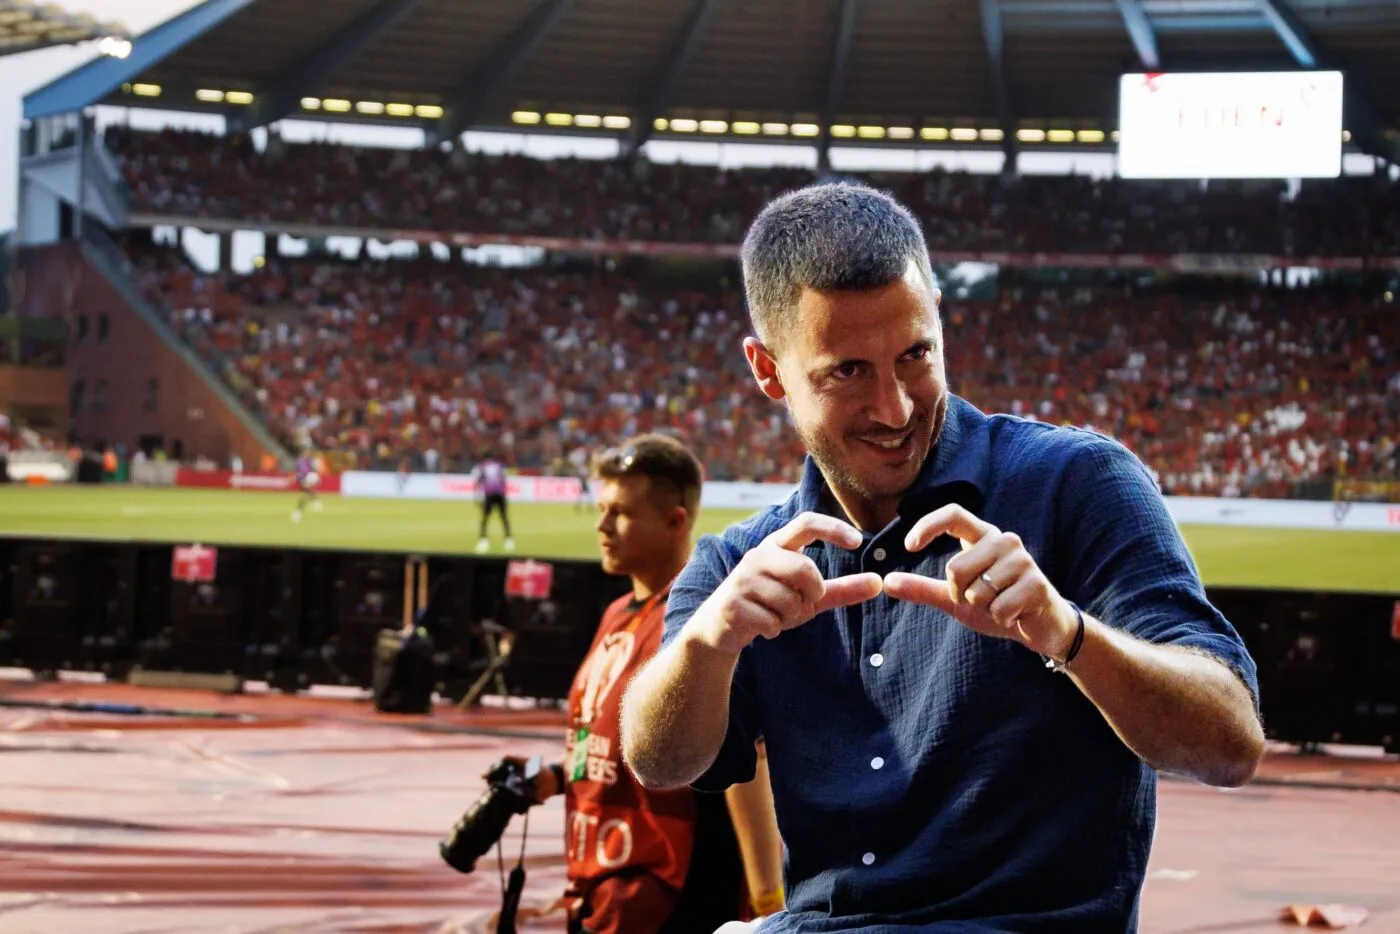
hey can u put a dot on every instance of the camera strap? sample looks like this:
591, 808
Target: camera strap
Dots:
512, 890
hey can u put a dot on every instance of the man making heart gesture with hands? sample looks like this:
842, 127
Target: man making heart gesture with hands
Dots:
776, 587
1024, 606
887, 630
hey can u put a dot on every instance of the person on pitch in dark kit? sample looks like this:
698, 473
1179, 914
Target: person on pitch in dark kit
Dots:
306, 479
580, 461
491, 475
640, 861
969, 641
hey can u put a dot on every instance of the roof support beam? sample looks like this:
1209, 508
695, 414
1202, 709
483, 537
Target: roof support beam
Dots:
283, 93
1140, 31
836, 79
471, 98
90, 83
995, 40
663, 83
1368, 132
1291, 32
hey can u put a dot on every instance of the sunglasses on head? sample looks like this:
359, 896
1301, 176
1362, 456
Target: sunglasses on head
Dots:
628, 459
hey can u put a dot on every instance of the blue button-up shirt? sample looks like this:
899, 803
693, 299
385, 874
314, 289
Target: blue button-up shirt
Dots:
927, 776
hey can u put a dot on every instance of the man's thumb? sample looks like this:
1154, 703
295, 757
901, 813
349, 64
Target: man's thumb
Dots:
919, 589
844, 591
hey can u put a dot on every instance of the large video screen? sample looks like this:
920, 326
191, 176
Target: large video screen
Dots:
1285, 124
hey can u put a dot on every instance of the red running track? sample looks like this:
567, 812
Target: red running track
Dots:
316, 816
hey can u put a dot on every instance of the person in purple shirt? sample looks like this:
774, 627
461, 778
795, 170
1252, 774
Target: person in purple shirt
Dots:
490, 474
306, 479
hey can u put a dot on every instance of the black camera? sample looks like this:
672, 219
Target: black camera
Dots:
510, 791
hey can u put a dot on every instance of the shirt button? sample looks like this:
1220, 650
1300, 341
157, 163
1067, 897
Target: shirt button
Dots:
868, 859
877, 763
877, 660
878, 554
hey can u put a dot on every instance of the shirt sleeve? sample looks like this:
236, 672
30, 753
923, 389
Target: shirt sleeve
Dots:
1126, 564
737, 759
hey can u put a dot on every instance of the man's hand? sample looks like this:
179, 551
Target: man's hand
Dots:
775, 587
994, 586
546, 784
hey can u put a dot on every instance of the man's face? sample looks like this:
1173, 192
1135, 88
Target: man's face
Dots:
636, 530
862, 373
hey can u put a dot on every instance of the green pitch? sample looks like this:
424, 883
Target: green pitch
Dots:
1368, 561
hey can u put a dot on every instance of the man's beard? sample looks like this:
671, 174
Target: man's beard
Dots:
833, 457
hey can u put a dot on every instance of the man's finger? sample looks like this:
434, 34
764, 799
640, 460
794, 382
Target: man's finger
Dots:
919, 589
951, 520
814, 527
997, 552
1023, 597
768, 623
776, 597
1001, 576
795, 570
845, 591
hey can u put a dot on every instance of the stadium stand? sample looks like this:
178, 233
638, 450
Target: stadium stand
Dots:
26, 26
1223, 388
194, 175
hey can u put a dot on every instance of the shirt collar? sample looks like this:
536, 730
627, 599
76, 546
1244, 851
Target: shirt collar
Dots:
955, 471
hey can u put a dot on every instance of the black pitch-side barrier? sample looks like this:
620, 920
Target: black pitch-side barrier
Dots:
1329, 663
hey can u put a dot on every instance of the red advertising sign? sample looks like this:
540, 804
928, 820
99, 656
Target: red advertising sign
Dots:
1395, 622
529, 579
194, 564
273, 482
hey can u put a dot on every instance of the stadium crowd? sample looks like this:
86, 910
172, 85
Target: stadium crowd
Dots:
196, 175
1221, 389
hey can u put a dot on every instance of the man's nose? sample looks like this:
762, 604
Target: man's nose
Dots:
892, 405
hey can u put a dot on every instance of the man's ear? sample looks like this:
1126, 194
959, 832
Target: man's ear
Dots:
764, 368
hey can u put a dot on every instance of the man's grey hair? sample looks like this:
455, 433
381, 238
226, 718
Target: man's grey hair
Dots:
831, 236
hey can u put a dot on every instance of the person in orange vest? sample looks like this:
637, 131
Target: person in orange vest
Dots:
640, 861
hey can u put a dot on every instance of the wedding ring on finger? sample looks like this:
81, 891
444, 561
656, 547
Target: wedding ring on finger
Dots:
988, 581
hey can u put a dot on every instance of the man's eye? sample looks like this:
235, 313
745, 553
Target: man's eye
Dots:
846, 370
918, 353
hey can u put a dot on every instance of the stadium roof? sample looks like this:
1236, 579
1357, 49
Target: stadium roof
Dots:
857, 70
26, 26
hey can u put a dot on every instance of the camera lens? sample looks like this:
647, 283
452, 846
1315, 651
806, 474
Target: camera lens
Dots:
485, 821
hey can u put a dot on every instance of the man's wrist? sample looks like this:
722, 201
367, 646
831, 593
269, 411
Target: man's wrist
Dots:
1073, 626
557, 770
769, 903
700, 636
1066, 623
549, 782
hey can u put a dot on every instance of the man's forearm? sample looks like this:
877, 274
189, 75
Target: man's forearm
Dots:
756, 828
676, 713
1180, 710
